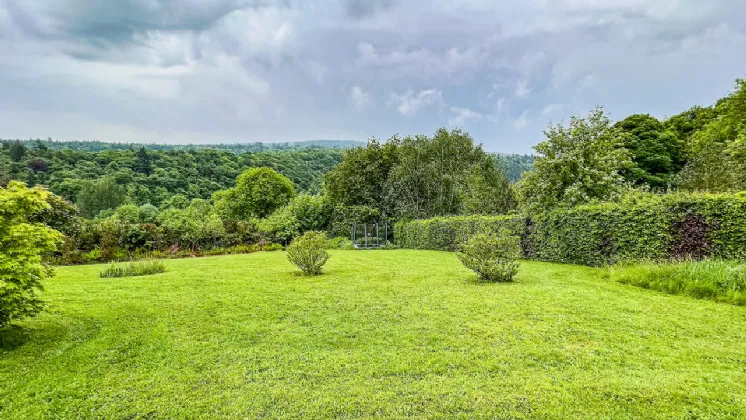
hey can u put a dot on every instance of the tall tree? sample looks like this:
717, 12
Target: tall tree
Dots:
716, 151
360, 179
577, 164
258, 193
103, 194
142, 162
17, 151
657, 153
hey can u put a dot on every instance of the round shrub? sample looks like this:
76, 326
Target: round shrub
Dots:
493, 256
308, 252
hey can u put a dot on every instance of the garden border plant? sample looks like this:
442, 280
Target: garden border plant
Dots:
653, 227
308, 252
493, 256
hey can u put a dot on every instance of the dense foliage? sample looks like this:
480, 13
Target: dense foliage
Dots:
153, 176
493, 256
515, 165
448, 233
641, 227
308, 252
100, 146
23, 243
419, 176
717, 151
304, 213
577, 164
258, 193
657, 153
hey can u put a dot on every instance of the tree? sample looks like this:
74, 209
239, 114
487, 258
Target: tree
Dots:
710, 170
304, 213
142, 162
418, 176
128, 213
196, 226
96, 196
718, 160
17, 151
148, 213
687, 123
488, 189
431, 175
657, 153
258, 193
577, 164
360, 179
22, 245
38, 165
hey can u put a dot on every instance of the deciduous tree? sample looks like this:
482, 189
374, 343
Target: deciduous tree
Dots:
576, 164
22, 246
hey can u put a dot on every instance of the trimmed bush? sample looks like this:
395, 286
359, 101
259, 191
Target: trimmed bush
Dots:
308, 252
133, 269
340, 243
650, 227
722, 281
493, 256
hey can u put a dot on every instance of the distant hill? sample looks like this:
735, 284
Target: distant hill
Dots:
99, 146
515, 165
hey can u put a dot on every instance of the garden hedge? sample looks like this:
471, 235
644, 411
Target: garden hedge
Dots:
655, 227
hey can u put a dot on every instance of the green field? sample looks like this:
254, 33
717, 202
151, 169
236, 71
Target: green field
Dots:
381, 334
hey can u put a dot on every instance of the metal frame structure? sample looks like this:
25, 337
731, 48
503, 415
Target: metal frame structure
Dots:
369, 240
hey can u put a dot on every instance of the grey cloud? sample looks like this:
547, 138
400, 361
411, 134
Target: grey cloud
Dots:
284, 70
365, 8
105, 23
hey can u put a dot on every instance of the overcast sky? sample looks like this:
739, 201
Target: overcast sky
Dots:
185, 71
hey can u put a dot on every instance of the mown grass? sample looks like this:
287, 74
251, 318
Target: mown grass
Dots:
133, 269
722, 281
387, 334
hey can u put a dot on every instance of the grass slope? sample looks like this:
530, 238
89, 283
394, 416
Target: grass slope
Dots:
382, 334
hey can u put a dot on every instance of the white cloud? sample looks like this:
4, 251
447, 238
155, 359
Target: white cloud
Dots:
462, 115
552, 109
409, 103
317, 71
522, 90
454, 62
358, 98
522, 121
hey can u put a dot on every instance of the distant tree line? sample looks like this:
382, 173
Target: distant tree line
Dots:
101, 180
100, 146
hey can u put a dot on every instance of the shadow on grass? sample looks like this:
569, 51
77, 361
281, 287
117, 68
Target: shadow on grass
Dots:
12, 337
47, 334
475, 280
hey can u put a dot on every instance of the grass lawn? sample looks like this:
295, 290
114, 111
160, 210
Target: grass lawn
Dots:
382, 334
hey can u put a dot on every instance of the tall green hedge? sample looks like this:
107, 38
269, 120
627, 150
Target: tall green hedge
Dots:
654, 227
446, 233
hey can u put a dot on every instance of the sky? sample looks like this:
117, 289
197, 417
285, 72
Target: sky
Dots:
201, 71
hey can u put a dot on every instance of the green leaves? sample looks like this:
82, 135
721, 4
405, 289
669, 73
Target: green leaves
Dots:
577, 164
308, 252
420, 176
258, 193
494, 256
22, 245
638, 227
